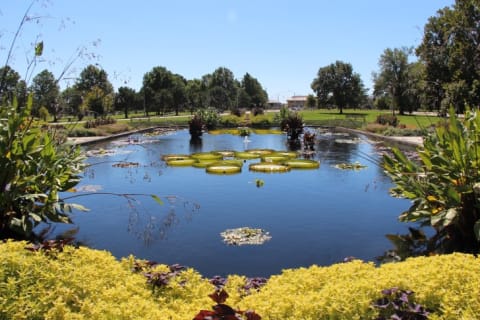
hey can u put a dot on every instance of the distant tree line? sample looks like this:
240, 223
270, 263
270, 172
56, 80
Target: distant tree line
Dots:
162, 92
446, 73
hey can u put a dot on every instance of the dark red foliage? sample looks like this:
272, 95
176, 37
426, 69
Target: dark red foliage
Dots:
221, 311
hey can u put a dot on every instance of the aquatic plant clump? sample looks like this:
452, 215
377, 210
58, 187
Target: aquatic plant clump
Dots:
229, 161
245, 235
350, 166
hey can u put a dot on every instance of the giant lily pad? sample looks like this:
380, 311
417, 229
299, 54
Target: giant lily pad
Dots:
268, 167
245, 235
302, 164
224, 167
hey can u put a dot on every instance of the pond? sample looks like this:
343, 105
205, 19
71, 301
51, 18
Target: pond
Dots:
316, 216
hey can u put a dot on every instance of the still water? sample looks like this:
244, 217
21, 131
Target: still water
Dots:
315, 216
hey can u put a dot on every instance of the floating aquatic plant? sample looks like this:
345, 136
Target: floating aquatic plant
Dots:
245, 235
350, 166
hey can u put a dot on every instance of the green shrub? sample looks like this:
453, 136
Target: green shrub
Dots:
91, 284
387, 119
444, 186
35, 167
261, 121
230, 121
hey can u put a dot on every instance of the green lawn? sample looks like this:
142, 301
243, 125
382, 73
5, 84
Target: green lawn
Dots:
322, 116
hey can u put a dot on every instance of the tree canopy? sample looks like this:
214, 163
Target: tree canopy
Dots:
393, 77
45, 91
449, 50
337, 85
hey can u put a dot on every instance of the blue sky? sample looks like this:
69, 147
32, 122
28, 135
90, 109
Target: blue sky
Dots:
282, 43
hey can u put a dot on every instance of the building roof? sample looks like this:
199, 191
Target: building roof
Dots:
297, 98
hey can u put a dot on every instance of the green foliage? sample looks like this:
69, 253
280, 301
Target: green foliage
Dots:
387, 119
230, 121
337, 85
261, 121
43, 113
91, 284
292, 124
442, 186
99, 122
449, 51
196, 126
34, 169
393, 80
210, 117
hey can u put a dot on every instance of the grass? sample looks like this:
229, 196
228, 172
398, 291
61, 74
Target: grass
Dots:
415, 121
360, 119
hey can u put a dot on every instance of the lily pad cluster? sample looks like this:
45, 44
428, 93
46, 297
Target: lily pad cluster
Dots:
350, 166
229, 161
245, 235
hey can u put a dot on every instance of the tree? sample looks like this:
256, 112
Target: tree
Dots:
393, 77
222, 89
161, 88
125, 100
71, 101
196, 94
253, 95
179, 93
449, 50
9, 80
96, 90
46, 93
311, 101
337, 84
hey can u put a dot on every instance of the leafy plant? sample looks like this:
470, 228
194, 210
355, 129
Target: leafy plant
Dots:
444, 185
387, 119
397, 304
195, 126
292, 124
224, 311
34, 169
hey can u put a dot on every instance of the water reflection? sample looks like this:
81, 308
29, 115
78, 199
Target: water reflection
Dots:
314, 216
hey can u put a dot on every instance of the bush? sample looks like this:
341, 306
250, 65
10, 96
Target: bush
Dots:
230, 121
99, 122
387, 119
35, 167
444, 185
91, 284
261, 121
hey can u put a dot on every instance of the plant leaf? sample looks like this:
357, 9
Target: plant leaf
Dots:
39, 49
157, 199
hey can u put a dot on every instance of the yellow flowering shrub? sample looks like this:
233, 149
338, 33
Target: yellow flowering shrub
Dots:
91, 284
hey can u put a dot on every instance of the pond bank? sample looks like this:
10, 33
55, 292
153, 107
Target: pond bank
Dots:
90, 140
408, 141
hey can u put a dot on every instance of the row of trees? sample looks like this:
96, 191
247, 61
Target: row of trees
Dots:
446, 72
162, 91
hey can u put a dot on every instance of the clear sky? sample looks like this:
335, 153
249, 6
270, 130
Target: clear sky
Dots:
282, 43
